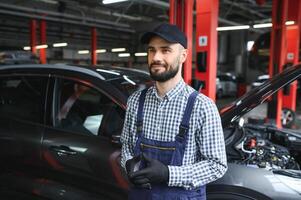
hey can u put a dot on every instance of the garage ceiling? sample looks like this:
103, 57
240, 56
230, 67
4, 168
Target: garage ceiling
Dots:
119, 24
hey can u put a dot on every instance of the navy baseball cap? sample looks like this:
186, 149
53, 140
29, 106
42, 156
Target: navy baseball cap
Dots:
168, 32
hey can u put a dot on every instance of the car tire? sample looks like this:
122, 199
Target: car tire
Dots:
288, 117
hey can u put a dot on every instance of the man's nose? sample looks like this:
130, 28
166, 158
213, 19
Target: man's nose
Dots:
157, 56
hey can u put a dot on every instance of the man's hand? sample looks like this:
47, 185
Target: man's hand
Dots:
132, 164
155, 172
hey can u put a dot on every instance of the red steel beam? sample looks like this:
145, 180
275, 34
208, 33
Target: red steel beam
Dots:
33, 30
206, 45
293, 45
43, 41
93, 46
188, 29
181, 14
278, 56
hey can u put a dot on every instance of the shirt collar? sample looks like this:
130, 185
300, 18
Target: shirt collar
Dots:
171, 93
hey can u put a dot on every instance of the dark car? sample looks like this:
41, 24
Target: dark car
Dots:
226, 85
60, 130
18, 57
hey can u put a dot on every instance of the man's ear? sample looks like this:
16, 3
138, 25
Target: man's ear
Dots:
183, 55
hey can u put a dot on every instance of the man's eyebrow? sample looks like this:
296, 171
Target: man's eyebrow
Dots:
161, 47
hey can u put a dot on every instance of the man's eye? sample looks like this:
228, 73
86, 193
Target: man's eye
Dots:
166, 50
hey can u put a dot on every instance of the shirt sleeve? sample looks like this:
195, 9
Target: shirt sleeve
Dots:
212, 161
127, 133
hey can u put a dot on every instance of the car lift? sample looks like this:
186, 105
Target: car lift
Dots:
33, 48
293, 44
93, 46
181, 14
206, 45
283, 49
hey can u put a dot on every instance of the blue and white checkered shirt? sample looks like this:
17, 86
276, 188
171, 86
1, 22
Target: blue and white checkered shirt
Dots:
204, 159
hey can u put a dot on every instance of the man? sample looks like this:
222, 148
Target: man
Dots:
172, 140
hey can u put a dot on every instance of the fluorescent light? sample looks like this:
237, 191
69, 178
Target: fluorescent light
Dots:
62, 44
124, 55
101, 50
250, 45
42, 46
129, 80
50, 1
266, 25
107, 71
141, 54
112, 1
26, 48
83, 51
118, 49
229, 28
289, 22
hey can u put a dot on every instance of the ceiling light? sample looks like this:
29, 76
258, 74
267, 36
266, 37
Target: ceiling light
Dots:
230, 28
124, 55
83, 51
43, 46
62, 44
101, 50
289, 22
266, 25
118, 49
141, 54
112, 1
26, 48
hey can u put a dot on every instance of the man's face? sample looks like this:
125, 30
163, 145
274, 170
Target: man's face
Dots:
164, 59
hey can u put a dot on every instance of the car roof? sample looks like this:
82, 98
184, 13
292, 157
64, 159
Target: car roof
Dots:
105, 73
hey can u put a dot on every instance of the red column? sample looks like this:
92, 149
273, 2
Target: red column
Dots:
172, 12
293, 43
278, 55
188, 29
93, 46
43, 41
181, 14
33, 28
206, 45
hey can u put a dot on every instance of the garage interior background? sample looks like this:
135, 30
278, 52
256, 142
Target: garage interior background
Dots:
120, 25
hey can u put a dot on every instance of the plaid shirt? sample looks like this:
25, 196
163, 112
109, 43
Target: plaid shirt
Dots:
204, 158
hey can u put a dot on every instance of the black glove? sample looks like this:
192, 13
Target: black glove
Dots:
130, 164
155, 172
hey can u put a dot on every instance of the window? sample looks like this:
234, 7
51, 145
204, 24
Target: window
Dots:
23, 97
85, 110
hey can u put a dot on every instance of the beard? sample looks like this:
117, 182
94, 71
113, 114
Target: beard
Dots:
169, 73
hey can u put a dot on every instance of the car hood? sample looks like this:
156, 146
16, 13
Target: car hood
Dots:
258, 95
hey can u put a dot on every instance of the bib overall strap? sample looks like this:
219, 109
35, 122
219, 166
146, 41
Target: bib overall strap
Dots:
140, 111
184, 126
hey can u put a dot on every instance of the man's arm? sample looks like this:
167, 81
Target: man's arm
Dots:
211, 144
126, 135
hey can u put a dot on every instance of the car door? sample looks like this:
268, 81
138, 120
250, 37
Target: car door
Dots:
22, 111
77, 148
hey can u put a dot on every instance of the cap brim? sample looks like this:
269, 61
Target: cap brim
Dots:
148, 35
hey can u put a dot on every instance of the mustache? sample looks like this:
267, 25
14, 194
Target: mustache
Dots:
158, 63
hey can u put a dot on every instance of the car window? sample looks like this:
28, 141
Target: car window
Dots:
23, 97
85, 110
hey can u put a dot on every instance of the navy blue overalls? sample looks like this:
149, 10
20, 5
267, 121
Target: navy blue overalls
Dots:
169, 153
